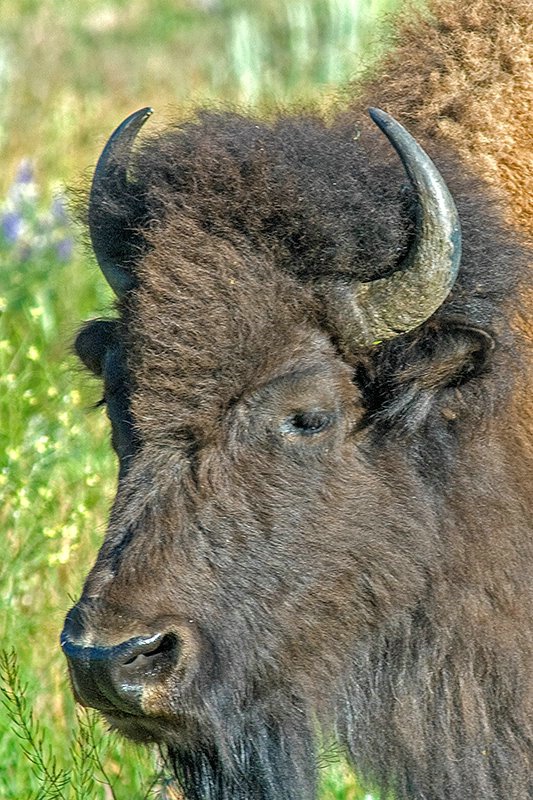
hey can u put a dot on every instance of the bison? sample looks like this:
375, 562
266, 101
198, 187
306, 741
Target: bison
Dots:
322, 528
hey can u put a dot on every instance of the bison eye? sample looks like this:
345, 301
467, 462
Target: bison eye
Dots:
307, 423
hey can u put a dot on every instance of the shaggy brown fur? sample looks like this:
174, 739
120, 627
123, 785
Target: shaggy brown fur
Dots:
328, 539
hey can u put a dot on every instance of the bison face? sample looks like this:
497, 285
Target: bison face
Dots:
246, 558
264, 529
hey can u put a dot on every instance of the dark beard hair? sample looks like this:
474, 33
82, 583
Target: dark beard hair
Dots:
262, 758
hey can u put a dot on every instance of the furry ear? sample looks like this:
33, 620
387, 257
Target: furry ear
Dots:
449, 354
404, 380
93, 342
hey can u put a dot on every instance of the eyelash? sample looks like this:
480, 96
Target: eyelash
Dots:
307, 423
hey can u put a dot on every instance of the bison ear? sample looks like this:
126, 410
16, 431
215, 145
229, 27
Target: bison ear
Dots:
413, 375
93, 342
449, 355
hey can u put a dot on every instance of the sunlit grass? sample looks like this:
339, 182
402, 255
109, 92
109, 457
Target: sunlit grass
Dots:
68, 73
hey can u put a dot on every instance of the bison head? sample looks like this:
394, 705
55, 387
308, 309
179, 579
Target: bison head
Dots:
261, 534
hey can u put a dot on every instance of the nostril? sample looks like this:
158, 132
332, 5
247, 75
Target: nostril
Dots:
149, 656
150, 648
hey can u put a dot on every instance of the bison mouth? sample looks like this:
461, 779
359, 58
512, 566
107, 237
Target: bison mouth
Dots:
145, 729
128, 683
132, 721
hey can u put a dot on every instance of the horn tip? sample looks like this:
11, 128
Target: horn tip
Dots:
380, 118
146, 112
138, 118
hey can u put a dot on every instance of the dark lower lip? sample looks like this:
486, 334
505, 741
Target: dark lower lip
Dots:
132, 727
90, 695
131, 724
143, 729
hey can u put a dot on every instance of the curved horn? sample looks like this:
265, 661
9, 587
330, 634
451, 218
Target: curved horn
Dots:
108, 170
367, 313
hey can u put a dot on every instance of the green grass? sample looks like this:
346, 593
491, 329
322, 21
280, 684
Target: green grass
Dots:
68, 73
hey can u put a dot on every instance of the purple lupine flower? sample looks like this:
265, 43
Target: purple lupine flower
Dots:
25, 172
59, 210
23, 189
29, 230
64, 249
12, 225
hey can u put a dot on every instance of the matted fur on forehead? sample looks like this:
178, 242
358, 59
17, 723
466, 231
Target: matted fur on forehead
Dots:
207, 323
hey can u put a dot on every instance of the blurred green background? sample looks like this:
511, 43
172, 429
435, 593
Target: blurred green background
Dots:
69, 72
